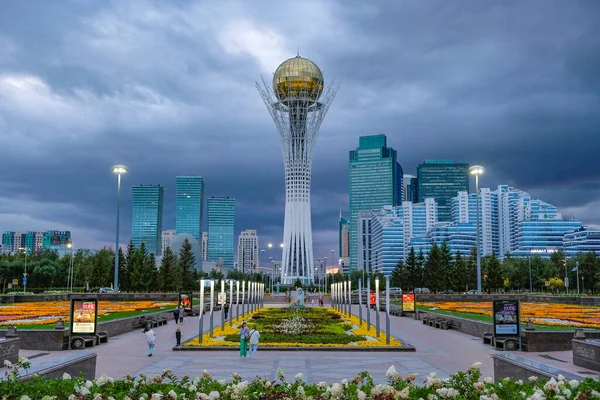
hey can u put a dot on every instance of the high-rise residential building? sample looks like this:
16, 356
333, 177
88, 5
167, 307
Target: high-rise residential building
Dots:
375, 182
582, 240
221, 219
190, 205
35, 241
343, 237
204, 246
248, 252
146, 221
442, 180
410, 189
167, 238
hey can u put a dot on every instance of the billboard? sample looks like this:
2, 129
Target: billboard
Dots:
297, 298
408, 302
185, 300
84, 314
507, 321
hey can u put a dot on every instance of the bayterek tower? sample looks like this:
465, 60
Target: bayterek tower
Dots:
297, 104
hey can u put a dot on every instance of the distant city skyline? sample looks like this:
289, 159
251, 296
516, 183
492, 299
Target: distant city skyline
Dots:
181, 100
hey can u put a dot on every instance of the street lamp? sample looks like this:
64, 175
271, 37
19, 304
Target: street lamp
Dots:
25, 272
477, 170
119, 170
70, 274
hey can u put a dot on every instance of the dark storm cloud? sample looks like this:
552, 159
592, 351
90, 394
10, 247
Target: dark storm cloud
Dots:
168, 89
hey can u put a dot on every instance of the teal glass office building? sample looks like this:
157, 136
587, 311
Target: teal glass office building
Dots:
375, 181
146, 224
442, 180
189, 215
221, 218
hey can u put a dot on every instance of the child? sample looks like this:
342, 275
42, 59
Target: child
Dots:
254, 337
178, 335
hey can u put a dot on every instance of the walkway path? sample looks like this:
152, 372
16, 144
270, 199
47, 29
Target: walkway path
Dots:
440, 351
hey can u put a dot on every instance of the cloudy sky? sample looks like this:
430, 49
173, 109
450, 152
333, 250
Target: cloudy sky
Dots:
167, 88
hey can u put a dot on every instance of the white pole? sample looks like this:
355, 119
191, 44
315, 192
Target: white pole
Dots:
201, 317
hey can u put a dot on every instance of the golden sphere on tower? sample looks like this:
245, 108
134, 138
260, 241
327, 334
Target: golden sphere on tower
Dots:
298, 78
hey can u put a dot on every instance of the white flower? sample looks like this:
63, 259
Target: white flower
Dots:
280, 374
404, 393
476, 365
533, 379
488, 380
321, 385
214, 395
205, 374
447, 393
7, 364
25, 397
345, 383
89, 384
84, 391
299, 377
300, 392
574, 383
551, 385
66, 377
361, 395
172, 394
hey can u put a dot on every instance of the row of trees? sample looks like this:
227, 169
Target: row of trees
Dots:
138, 270
440, 271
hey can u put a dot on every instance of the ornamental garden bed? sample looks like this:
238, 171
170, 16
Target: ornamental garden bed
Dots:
546, 316
317, 329
43, 315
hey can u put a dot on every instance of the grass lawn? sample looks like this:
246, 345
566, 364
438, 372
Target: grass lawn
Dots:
485, 318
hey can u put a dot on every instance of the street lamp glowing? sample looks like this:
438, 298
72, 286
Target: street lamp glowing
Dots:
476, 170
119, 169
69, 245
281, 245
270, 245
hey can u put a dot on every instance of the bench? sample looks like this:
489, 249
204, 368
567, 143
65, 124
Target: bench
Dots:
425, 320
488, 338
507, 344
441, 323
81, 342
101, 337
138, 322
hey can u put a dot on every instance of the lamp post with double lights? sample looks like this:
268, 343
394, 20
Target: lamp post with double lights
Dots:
119, 170
477, 170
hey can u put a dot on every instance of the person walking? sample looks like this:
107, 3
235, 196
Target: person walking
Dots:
226, 310
244, 336
176, 314
150, 339
181, 313
178, 335
254, 337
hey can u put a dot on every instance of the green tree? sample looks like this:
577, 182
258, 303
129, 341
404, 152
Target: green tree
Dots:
588, 270
420, 274
399, 275
471, 277
124, 279
493, 271
297, 284
186, 265
446, 277
412, 270
431, 272
167, 266
130, 259
460, 270
138, 275
101, 264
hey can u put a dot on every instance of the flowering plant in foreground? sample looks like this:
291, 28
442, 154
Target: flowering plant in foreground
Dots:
461, 386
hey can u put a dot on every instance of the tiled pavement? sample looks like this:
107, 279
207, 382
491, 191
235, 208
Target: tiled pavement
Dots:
440, 351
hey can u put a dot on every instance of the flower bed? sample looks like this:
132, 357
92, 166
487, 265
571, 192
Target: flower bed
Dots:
462, 385
299, 327
36, 313
548, 314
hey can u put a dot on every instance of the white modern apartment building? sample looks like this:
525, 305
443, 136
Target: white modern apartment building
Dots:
204, 246
248, 252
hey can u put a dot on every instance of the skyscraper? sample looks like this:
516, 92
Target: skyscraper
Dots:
297, 105
248, 252
146, 223
167, 238
204, 246
221, 219
410, 188
190, 205
442, 180
343, 237
375, 182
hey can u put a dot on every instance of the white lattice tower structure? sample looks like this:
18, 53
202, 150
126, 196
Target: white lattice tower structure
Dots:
297, 108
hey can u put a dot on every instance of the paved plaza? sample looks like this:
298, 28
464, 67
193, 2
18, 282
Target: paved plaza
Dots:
440, 351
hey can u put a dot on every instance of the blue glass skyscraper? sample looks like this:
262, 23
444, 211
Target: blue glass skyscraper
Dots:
375, 182
146, 224
442, 180
221, 218
189, 216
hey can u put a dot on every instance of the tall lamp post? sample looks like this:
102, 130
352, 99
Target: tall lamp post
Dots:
25, 249
477, 170
119, 170
70, 274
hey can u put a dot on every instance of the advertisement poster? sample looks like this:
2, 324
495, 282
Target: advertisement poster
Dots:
297, 298
506, 318
408, 302
221, 298
83, 317
185, 300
